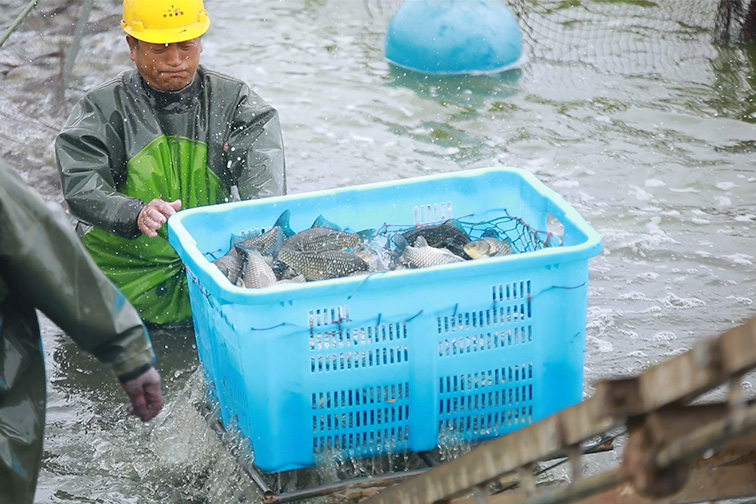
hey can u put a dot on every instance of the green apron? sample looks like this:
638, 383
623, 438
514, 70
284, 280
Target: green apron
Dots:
148, 270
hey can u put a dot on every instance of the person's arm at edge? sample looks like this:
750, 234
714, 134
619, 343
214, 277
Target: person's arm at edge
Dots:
49, 266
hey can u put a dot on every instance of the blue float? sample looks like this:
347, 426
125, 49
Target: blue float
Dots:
453, 37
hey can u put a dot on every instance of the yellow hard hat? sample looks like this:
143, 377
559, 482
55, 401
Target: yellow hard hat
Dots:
164, 21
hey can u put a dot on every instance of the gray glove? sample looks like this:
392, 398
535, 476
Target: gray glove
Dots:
145, 394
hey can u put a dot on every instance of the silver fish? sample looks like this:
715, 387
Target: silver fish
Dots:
294, 279
321, 238
266, 243
422, 255
231, 264
487, 247
322, 265
258, 272
449, 235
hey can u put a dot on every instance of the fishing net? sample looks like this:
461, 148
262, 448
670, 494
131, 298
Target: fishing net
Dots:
735, 21
41, 73
615, 36
624, 37
383, 248
521, 236
551, 25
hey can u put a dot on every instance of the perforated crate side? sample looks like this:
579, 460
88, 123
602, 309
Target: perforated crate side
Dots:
392, 362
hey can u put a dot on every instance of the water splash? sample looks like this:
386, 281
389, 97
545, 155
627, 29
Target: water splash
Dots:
192, 461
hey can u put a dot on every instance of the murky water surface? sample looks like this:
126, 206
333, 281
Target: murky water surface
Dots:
628, 110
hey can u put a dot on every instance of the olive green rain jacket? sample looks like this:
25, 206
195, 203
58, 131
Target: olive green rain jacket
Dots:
44, 266
125, 144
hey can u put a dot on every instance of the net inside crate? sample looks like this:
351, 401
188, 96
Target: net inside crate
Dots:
395, 361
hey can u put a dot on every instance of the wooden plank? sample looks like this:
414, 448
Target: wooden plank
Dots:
704, 485
711, 436
707, 365
680, 379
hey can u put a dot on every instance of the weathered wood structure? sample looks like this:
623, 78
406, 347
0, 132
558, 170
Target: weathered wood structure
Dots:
678, 448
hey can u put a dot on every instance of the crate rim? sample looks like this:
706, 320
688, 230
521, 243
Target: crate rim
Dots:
223, 289
534, 181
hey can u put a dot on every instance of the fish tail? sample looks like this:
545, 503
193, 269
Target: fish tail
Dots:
325, 223
455, 223
280, 237
367, 234
491, 233
283, 223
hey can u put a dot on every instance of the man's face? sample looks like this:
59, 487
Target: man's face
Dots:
166, 67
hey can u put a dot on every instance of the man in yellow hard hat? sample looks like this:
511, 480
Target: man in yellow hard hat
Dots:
170, 134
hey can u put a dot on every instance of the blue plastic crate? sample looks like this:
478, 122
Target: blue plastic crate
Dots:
392, 361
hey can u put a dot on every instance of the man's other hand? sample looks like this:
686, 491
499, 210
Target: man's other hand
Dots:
155, 214
145, 395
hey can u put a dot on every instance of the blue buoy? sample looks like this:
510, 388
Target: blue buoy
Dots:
454, 37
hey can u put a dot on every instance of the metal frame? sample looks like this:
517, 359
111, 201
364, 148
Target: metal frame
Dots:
358, 489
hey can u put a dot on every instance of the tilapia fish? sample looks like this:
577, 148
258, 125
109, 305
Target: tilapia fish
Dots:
231, 264
266, 243
294, 279
322, 265
258, 272
321, 238
448, 235
422, 255
487, 247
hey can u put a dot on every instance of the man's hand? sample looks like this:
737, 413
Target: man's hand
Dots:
145, 395
155, 214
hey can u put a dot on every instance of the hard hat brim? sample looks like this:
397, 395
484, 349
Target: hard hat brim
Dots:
168, 36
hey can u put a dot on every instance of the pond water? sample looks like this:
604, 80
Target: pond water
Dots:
630, 111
